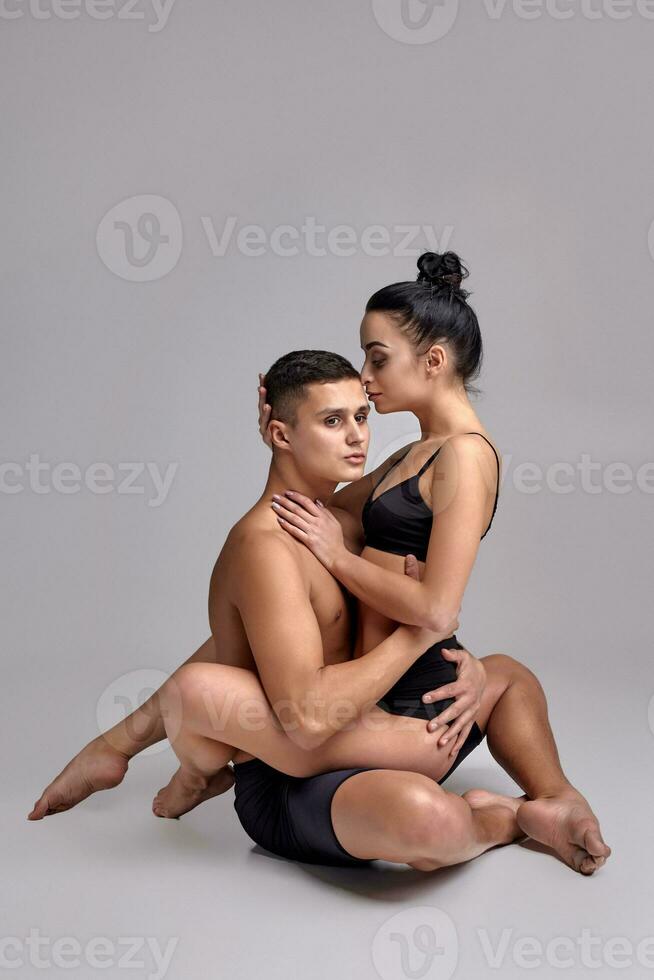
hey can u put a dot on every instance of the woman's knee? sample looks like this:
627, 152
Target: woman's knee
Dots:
509, 667
210, 696
191, 684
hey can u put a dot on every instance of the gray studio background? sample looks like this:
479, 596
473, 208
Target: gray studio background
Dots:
517, 136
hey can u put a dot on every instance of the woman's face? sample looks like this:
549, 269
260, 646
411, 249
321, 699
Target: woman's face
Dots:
391, 372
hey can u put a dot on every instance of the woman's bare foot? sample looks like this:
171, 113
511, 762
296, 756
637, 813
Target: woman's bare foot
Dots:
98, 766
505, 808
186, 790
567, 824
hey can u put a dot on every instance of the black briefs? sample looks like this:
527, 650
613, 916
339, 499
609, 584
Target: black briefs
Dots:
291, 816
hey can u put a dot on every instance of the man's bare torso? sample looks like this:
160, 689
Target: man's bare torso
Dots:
334, 609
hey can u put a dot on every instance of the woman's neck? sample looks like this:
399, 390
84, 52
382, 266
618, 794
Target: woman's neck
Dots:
447, 413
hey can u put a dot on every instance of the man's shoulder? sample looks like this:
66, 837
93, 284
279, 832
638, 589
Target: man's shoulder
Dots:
255, 545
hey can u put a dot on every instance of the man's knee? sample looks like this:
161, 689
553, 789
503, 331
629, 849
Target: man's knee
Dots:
425, 816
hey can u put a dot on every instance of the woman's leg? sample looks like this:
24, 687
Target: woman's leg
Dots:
214, 704
103, 762
515, 719
210, 710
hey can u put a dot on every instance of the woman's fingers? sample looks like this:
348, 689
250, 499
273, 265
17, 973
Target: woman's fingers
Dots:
299, 500
264, 412
294, 518
285, 506
296, 532
264, 419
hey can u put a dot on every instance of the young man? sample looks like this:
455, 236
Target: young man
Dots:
276, 613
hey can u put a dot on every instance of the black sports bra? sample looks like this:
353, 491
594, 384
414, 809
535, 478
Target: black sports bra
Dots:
398, 520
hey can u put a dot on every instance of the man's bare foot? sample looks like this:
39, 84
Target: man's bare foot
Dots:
504, 807
98, 766
567, 824
186, 790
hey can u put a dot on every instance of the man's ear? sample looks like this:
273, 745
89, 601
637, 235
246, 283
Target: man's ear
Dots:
277, 431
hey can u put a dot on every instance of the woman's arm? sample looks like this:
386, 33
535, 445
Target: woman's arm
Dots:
460, 493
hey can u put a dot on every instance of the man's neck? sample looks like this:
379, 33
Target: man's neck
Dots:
284, 475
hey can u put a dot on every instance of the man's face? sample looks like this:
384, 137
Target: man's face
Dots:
330, 437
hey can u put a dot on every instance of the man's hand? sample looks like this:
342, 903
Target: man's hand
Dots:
412, 568
264, 414
467, 691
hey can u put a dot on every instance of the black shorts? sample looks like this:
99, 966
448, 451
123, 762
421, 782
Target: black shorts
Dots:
291, 816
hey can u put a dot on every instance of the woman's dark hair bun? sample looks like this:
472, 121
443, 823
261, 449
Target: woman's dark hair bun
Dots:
435, 309
445, 269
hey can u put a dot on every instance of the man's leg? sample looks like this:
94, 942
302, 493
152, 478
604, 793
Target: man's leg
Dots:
514, 717
407, 818
102, 763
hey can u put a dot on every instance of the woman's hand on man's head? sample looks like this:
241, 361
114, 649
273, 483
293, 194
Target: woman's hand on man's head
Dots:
264, 413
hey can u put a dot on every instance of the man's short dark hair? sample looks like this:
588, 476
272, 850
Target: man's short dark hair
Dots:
285, 381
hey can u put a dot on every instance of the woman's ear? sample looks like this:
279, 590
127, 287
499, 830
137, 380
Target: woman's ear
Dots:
436, 359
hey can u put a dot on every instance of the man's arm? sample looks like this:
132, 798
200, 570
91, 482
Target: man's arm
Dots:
312, 700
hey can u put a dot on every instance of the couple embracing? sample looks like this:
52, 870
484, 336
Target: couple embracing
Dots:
333, 694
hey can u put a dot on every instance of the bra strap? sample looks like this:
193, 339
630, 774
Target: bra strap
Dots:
497, 491
386, 472
426, 465
497, 459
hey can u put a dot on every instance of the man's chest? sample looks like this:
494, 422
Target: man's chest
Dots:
334, 610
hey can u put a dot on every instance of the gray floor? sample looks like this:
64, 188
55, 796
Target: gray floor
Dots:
222, 907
